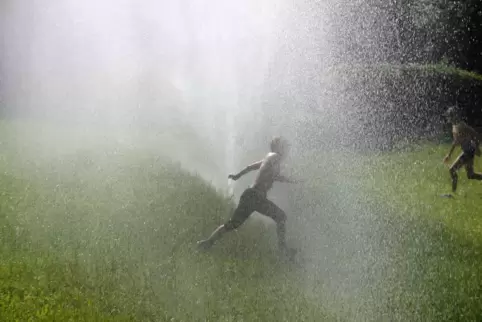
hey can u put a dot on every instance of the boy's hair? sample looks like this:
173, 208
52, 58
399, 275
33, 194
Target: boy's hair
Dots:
453, 113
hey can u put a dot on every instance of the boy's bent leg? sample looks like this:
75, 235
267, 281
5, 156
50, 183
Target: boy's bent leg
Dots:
241, 213
269, 209
454, 177
453, 170
217, 234
471, 174
474, 175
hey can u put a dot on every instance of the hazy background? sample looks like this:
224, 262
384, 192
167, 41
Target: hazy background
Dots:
195, 65
221, 78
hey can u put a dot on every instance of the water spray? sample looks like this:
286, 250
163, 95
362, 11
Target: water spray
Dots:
230, 164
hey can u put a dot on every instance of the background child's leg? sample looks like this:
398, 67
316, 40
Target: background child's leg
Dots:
453, 170
469, 167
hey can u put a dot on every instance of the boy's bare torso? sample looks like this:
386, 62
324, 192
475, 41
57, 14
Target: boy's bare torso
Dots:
269, 171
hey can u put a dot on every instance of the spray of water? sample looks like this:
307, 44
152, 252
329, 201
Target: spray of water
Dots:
232, 73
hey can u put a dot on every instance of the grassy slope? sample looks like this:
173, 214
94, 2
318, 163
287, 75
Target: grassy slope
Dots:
107, 232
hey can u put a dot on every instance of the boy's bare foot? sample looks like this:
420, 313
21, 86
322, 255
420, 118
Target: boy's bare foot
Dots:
446, 195
204, 244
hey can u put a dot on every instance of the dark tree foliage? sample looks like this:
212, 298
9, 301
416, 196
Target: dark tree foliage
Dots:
466, 17
410, 31
433, 31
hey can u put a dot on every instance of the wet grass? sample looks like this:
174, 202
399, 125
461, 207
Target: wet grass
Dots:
100, 232
439, 258
92, 229
418, 255
414, 182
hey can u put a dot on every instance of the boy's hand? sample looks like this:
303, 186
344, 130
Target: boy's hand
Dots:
446, 159
233, 177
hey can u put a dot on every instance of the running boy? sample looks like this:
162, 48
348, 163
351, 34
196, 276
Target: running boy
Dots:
469, 140
254, 198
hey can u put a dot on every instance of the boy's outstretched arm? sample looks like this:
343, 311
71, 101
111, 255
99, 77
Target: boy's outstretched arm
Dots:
249, 168
452, 148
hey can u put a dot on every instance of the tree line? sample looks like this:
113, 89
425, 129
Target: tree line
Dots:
426, 31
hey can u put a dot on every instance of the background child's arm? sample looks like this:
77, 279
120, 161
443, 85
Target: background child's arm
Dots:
452, 148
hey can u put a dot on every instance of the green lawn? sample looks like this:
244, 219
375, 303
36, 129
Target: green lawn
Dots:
95, 230
440, 256
414, 182
381, 231
93, 227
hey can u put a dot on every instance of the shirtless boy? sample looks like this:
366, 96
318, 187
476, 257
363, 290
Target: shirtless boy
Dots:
254, 198
469, 140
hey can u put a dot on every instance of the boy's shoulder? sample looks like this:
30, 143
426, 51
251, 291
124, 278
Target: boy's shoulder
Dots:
460, 126
272, 157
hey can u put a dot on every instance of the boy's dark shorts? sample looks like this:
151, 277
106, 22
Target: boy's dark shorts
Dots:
250, 201
468, 154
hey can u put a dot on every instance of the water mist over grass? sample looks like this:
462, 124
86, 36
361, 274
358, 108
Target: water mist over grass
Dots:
99, 220
111, 232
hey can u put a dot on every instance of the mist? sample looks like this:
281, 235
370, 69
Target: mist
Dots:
187, 64
228, 76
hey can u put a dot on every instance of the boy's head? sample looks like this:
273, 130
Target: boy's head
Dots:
453, 114
280, 146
